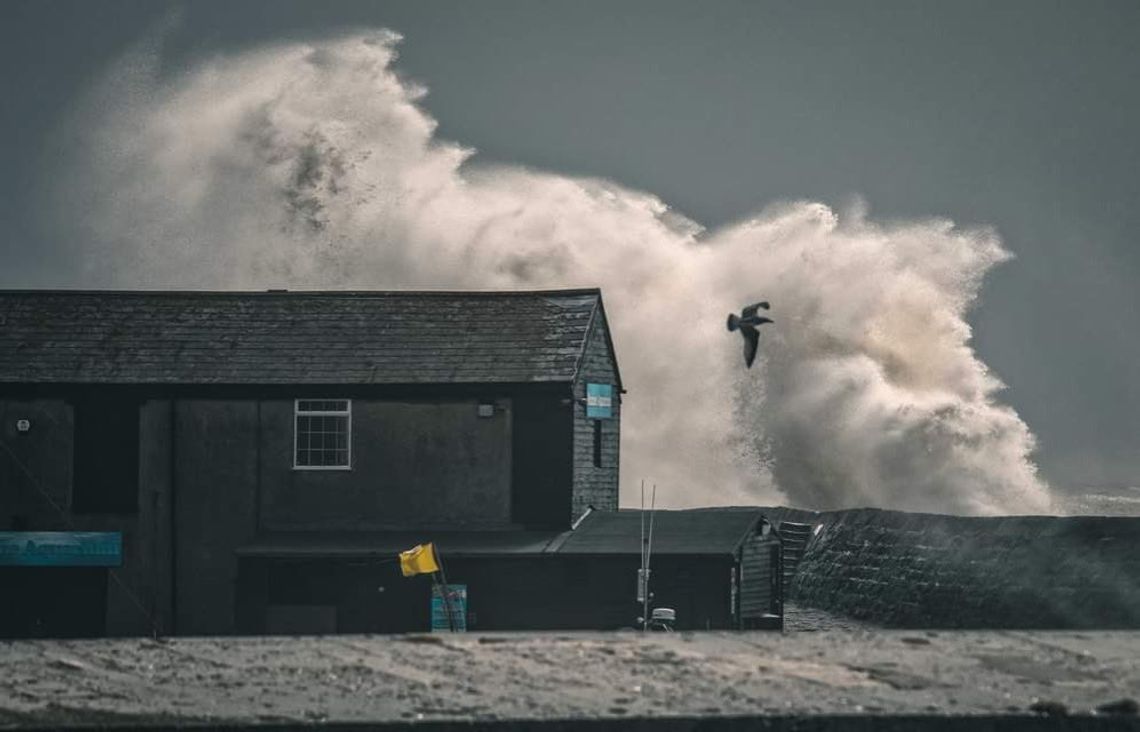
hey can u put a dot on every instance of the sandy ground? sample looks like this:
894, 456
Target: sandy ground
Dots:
528, 676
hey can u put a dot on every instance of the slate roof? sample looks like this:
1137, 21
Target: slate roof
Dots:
293, 337
693, 531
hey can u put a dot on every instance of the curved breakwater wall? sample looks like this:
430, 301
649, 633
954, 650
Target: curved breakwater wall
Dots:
925, 570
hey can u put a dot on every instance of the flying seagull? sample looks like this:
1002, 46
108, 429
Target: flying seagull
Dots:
747, 323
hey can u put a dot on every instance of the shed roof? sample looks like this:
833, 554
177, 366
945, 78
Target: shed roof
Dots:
694, 531
294, 337
690, 531
387, 544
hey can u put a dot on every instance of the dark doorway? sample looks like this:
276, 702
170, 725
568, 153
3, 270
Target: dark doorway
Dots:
542, 446
53, 602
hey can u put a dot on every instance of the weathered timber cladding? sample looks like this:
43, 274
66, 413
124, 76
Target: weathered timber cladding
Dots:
424, 463
596, 486
214, 494
759, 578
503, 593
542, 459
156, 515
36, 492
35, 467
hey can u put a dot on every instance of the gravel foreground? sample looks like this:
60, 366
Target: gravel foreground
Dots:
609, 680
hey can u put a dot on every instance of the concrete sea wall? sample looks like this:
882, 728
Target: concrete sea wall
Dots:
924, 570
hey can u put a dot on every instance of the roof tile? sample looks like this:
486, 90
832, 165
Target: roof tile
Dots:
295, 337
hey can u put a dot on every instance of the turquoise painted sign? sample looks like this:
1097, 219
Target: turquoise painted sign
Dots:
456, 604
599, 401
61, 549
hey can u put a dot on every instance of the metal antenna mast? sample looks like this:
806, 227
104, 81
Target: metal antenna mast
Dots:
647, 554
641, 588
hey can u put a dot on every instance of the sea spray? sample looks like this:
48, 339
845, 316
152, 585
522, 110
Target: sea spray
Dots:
313, 166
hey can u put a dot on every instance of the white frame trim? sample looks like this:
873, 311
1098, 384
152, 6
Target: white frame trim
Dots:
323, 413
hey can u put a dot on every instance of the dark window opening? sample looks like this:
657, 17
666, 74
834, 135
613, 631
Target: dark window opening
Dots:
106, 463
597, 443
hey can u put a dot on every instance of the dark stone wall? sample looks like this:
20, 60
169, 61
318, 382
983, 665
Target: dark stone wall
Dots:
923, 570
594, 486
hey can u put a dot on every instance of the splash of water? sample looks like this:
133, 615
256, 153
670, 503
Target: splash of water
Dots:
312, 166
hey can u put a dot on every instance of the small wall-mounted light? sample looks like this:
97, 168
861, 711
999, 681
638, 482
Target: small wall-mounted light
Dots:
23, 425
486, 409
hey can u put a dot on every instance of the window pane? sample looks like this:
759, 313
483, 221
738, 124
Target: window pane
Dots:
322, 405
322, 439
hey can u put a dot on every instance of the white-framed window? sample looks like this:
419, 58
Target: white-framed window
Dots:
322, 434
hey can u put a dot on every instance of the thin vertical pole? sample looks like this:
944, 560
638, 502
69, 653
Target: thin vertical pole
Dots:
443, 589
649, 554
652, 514
643, 575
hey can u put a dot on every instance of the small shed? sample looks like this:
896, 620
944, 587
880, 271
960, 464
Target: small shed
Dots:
717, 567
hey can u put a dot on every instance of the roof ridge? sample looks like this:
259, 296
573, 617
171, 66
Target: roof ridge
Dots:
321, 293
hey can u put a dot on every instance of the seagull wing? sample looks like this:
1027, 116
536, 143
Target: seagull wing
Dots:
751, 343
750, 311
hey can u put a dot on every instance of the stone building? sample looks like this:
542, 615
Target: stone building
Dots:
192, 427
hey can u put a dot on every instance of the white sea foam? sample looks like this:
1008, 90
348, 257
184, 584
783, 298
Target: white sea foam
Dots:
309, 166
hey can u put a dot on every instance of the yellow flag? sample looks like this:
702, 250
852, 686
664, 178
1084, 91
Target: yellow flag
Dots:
418, 560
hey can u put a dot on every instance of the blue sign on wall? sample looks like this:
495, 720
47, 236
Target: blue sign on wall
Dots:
599, 401
456, 604
61, 549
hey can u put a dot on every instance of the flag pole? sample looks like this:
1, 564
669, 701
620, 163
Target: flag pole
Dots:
443, 590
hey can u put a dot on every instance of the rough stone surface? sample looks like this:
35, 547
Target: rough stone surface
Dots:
924, 570
596, 486
852, 676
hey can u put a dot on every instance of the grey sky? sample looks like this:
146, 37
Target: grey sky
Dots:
1019, 115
